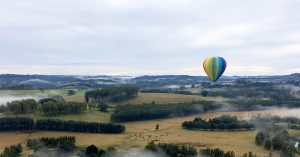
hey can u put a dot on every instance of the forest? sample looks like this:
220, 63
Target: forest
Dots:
113, 94
56, 108
125, 113
172, 150
79, 126
25, 124
64, 142
22, 106
225, 122
277, 139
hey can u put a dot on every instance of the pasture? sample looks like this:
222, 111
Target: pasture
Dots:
138, 134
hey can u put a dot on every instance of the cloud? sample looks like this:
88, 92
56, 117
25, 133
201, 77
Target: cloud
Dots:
250, 70
148, 37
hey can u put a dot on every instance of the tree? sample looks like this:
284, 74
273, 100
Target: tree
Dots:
151, 146
66, 145
3, 108
42, 90
268, 144
90, 150
12, 151
103, 106
71, 92
157, 127
204, 93
93, 151
260, 138
278, 143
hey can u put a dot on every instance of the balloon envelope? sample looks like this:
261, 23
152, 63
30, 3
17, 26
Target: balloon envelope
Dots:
214, 67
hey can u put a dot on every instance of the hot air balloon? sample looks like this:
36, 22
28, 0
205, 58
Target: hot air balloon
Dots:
214, 67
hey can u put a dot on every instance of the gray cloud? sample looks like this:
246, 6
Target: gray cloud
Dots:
134, 37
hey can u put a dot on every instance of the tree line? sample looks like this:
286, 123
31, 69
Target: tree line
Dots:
57, 108
175, 150
125, 113
47, 106
16, 124
217, 152
25, 124
21, 106
64, 142
172, 150
225, 122
166, 91
12, 151
113, 94
79, 126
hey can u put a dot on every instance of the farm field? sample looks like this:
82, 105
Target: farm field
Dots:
138, 134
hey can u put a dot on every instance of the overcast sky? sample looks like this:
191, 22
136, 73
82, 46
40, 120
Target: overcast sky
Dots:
137, 37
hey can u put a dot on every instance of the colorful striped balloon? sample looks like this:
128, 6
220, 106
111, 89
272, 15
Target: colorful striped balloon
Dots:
214, 67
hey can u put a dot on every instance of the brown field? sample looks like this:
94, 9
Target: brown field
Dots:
164, 98
138, 134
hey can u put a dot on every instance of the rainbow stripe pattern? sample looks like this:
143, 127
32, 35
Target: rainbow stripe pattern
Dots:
214, 67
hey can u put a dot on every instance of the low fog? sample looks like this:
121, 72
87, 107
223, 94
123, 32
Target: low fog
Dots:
8, 98
128, 153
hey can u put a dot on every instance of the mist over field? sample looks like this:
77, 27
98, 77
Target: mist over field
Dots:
4, 99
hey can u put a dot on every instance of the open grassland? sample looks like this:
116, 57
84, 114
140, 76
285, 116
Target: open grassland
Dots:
164, 98
138, 134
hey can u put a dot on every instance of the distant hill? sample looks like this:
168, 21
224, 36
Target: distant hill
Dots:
12, 81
